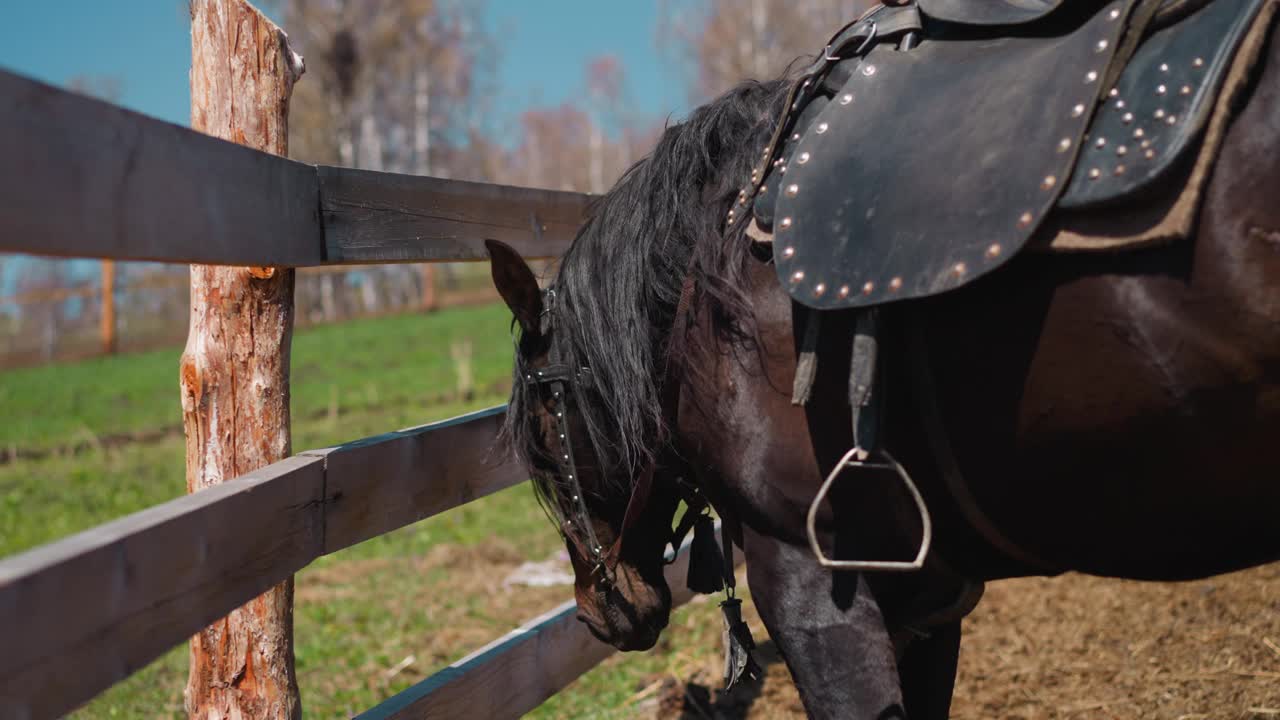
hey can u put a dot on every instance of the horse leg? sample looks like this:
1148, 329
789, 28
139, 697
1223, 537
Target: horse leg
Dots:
928, 672
828, 629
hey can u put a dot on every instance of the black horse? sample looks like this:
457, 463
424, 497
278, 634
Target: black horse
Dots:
1114, 414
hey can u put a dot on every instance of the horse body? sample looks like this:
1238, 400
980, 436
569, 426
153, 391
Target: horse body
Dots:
1110, 414
1132, 398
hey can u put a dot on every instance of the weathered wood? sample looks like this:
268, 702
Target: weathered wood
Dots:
84, 178
372, 217
506, 678
78, 615
83, 613
382, 483
235, 369
518, 672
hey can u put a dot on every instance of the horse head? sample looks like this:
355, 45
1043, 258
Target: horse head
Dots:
615, 521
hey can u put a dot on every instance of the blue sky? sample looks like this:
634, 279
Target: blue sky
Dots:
146, 44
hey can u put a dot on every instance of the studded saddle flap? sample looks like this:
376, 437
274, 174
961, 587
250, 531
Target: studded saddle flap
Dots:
932, 164
1159, 105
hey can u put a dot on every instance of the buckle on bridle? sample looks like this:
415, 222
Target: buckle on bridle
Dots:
862, 47
602, 569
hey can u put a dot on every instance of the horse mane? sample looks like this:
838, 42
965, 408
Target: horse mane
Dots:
622, 277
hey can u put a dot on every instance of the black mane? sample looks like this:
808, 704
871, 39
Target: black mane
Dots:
619, 283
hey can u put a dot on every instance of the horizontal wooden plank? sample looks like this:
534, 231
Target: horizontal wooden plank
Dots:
373, 217
83, 613
514, 674
85, 178
382, 483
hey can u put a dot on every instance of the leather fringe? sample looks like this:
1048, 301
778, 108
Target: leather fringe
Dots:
807, 362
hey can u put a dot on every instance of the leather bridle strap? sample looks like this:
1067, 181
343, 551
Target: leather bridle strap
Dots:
697, 505
877, 23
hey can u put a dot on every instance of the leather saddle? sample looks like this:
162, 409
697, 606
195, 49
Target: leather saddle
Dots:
931, 139
1017, 12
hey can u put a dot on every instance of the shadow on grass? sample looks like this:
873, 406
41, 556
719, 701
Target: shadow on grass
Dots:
693, 700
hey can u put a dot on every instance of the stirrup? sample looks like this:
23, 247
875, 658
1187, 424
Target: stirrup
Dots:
856, 458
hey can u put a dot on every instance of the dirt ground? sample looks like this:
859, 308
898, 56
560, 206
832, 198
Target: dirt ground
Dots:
1075, 647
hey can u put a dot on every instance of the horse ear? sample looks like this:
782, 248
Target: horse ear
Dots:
516, 284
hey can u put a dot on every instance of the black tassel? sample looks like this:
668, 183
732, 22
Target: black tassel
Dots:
738, 645
705, 561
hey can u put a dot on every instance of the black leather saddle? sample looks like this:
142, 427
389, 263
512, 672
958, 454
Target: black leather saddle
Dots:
931, 139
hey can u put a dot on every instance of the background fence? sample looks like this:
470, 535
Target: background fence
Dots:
129, 307
88, 179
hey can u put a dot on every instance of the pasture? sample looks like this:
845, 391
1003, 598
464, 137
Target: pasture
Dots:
99, 439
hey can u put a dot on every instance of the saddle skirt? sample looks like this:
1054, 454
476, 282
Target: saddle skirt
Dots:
930, 152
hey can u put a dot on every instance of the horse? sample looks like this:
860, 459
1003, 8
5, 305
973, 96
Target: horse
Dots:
1105, 413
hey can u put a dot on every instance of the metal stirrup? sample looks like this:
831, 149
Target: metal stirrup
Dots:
855, 459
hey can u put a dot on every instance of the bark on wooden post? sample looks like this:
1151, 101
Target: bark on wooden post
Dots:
234, 373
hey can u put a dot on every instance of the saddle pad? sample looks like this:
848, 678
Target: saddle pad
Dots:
1160, 104
934, 166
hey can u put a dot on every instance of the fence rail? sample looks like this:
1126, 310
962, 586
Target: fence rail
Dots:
83, 613
85, 178
514, 674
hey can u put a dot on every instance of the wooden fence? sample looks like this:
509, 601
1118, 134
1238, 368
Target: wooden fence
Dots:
88, 179
137, 308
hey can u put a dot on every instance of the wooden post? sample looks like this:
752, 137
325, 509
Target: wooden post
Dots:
428, 287
234, 373
108, 307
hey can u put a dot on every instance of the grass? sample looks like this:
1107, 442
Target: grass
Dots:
367, 365
372, 619
378, 375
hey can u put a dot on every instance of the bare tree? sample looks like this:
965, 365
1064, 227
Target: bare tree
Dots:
723, 42
606, 91
418, 67
103, 87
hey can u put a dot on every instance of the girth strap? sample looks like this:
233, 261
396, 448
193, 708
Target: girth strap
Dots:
940, 446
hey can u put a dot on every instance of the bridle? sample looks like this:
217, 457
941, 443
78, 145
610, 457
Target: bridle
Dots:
565, 383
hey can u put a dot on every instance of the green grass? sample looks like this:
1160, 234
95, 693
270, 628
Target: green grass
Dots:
431, 592
366, 365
